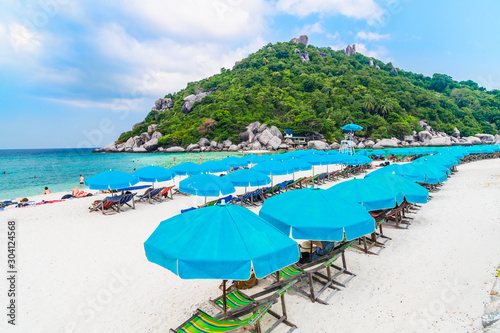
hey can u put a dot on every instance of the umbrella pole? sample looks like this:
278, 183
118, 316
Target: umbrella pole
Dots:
283, 306
224, 296
311, 252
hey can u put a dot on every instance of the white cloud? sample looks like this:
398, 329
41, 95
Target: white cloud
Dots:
371, 35
165, 65
310, 29
200, 19
379, 52
358, 9
131, 104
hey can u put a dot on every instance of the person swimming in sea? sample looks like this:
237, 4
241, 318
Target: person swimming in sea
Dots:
47, 191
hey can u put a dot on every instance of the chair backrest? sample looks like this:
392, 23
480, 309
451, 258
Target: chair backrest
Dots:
126, 198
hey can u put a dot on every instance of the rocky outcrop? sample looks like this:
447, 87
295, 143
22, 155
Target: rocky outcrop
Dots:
370, 63
473, 140
377, 67
385, 143
316, 144
264, 137
456, 133
302, 39
350, 50
275, 142
424, 136
304, 56
192, 147
233, 148
335, 146
394, 70
276, 132
204, 142
151, 145
191, 99
175, 150
227, 143
163, 104
152, 127
441, 141
486, 138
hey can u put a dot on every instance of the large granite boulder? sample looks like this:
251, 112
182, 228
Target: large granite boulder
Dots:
497, 139
129, 144
175, 150
456, 133
233, 148
424, 136
191, 99
386, 143
335, 145
192, 147
264, 137
409, 138
283, 146
276, 132
394, 70
139, 150
370, 63
220, 146
163, 104
151, 145
350, 50
110, 148
156, 135
253, 127
302, 39
440, 141
473, 140
361, 145
203, 142
152, 127
213, 144
262, 128
316, 144
226, 143
274, 142
247, 136
486, 138
139, 141
369, 143
145, 137
304, 56
256, 146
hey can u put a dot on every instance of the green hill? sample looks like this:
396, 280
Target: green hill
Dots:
275, 86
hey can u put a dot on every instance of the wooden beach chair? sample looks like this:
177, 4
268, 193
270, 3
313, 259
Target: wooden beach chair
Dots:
202, 322
166, 191
312, 272
237, 302
150, 195
107, 205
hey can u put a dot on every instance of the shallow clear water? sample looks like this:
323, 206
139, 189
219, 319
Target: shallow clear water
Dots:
59, 169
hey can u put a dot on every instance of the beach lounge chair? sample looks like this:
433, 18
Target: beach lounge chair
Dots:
312, 272
237, 302
107, 205
127, 200
376, 239
202, 322
150, 195
166, 191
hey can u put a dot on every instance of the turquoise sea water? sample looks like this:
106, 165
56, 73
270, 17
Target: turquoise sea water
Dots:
59, 169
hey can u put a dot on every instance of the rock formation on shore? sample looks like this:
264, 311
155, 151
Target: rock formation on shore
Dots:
302, 39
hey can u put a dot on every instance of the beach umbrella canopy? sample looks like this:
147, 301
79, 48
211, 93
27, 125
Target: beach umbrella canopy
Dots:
214, 166
377, 153
274, 168
248, 177
187, 168
153, 174
252, 159
351, 128
111, 180
235, 162
317, 214
206, 185
412, 192
371, 196
406, 170
220, 242
298, 164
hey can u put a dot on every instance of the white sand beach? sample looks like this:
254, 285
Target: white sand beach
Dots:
85, 272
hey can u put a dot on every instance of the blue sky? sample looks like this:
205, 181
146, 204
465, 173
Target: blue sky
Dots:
77, 73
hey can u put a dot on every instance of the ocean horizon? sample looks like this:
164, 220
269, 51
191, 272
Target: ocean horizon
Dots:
29, 171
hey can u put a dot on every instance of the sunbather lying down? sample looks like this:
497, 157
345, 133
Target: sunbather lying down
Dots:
77, 193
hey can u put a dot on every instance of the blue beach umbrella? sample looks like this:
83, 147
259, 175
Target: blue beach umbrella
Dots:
248, 177
220, 242
214, 167
406, 170
377, 153
412, 192
153, 174
206, 186
351, 128
317, 214
187, 169
368, 194
274, 168
111, 180
298, 164
235, 162
252, 159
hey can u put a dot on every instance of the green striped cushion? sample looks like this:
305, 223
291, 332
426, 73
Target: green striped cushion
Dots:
289, 272
234, 300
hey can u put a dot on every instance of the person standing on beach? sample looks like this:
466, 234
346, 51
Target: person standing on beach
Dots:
81, 180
